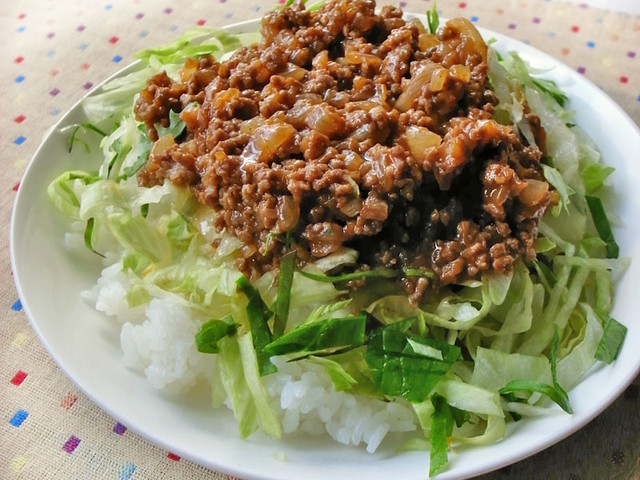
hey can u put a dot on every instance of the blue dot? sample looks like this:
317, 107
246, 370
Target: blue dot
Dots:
173, 27
83, 46
55, 111
229, 14
20, 78
126, 471
108, 6
21, 29
639, 98
18, 418
51, 53
474, 18
20, 140
17, 306
117, 58
591, 44
144, 33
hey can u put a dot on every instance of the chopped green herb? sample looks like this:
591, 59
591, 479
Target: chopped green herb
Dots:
555, 392
418, 272
611, 341
88, 236
441, 428
285, 281
397, 369
259, 316
347, 277
330, 334
175, 128
602, 225
212, 332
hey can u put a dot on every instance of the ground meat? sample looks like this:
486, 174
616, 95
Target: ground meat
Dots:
347, 128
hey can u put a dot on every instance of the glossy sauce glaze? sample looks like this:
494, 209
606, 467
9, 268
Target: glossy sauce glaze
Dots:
347, 128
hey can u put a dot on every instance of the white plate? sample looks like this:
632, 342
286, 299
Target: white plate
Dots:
85, 344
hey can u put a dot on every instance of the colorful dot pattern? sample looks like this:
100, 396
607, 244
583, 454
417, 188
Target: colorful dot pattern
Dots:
52, 53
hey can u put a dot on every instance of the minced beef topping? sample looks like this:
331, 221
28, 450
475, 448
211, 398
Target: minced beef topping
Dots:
350, 128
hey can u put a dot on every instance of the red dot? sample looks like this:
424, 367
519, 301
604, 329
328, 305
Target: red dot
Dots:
624, 79
54, 72
462, 5
19, 59
173, 456
85, 66
113, 40
19, 377
565, 51
201, 22
16, 187
22, 15
68, 401
575, 29
19, 119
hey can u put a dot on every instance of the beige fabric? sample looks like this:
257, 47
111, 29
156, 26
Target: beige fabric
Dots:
51, 51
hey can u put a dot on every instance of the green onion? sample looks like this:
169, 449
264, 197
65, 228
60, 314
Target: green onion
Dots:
285, 281
529, 386
602, 225
555, 392
418, 272
347, 277
73, 139
433, 21
88, 237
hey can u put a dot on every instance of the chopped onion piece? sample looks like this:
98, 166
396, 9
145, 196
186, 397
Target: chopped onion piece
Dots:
419, 140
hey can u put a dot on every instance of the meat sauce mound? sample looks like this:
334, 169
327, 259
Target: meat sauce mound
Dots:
347, 128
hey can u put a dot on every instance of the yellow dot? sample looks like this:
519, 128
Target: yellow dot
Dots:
17, 463
20, 163
606, 61
19, 340
20, 99
560, 13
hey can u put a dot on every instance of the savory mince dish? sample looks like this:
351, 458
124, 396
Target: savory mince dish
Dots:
349, 223
349, 128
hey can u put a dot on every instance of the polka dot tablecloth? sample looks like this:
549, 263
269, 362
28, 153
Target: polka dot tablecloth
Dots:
53, 51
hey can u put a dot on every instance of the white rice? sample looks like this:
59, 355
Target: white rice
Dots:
158, 339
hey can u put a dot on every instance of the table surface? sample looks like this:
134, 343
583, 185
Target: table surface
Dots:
53, 52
